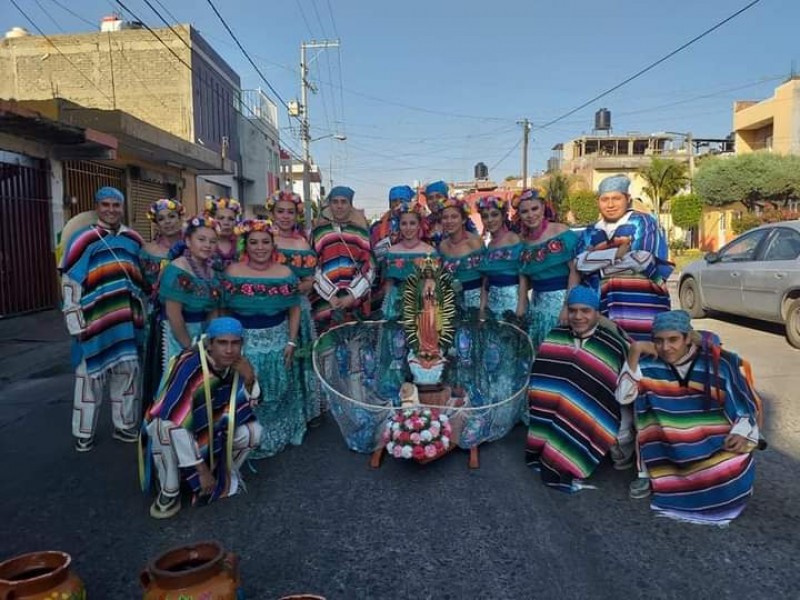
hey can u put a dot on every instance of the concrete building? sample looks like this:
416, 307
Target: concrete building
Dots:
772, 124
260, 151
130, 71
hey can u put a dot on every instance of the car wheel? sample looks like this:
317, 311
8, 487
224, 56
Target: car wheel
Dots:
690, 299
793, 323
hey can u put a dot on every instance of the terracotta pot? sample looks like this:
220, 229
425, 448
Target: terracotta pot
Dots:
40, 575
202, 570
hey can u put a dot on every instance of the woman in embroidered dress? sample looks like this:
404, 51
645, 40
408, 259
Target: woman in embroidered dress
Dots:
461, 253
263, 295
500, 293
167, 218
190, 289
227, 212
402, 257
293, 250
548, 265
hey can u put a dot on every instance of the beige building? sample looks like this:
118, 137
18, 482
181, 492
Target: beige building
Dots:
772, 124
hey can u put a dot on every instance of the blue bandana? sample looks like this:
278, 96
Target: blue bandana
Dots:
109, 193
437, 187
672, 320
342, 191
403, 193
615, 183
581, 294
224, 326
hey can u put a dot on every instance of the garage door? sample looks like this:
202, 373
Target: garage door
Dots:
143, 194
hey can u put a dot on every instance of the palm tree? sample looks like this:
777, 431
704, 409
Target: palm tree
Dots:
664, 179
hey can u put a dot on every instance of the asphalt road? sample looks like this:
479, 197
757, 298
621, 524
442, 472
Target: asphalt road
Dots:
317, 519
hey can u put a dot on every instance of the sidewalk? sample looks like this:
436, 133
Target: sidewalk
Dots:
33, 346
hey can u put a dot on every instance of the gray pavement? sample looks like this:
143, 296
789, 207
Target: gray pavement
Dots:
316, 519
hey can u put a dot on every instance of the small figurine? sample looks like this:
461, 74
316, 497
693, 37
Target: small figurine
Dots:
409, 395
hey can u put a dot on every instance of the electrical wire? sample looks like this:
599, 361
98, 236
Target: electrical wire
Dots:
649, 67
49, 16
73, 13
57, 49
505, 156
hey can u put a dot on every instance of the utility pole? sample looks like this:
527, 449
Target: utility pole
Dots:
690, 145
526, 129
305, 129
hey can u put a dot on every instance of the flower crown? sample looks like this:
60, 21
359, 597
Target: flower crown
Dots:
196, 222
453, 202
493, 202
531, 194
405, 208
285, 196
248, 226
214, 205
164, 204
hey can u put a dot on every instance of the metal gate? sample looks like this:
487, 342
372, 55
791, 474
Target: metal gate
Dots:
82, 178
143, 194
27, 265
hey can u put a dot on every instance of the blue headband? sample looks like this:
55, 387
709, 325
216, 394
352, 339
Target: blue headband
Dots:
615, 183
224, 326
403, 193
342, 191
109, 193
672, 320
581, 294
437, 187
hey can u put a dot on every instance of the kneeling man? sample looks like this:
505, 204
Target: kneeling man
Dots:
574, 416
201, 426
697, 421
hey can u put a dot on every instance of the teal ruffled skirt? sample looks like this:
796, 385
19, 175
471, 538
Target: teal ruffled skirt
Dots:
543, 312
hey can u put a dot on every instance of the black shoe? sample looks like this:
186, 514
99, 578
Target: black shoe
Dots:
315, 422
84, 444
129, 436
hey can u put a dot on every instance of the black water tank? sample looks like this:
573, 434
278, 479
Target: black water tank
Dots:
481, 171
602, 120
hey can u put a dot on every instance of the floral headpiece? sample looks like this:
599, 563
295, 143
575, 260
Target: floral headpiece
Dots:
493, 202
453, 202
249, 226
164, 204
196, 222
410, 208
285, 196
531, 194
214, 205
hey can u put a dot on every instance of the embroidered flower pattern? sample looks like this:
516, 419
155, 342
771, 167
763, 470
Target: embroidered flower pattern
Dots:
207, 289
253, 289
540, 253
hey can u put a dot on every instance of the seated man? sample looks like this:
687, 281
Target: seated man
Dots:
574, 416
201, 426
697, 420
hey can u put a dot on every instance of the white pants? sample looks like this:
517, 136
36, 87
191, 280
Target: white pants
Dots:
175, 447
123, 388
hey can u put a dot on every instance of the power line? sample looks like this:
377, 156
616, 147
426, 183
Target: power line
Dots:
247, 56
651, 66
57, 49
49, 16
505, 156
166, 10
73, 13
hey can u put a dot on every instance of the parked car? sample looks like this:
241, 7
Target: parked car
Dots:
756, 275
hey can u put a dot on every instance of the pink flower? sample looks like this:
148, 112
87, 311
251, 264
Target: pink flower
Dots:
247, 289
438, 445
397, 451
430, 451
418, 452
415, 438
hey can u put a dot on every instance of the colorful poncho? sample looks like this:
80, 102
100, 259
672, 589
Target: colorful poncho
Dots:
574, 414
105, 264
343, 253
151, 268
632, 299
681, 426
182, 400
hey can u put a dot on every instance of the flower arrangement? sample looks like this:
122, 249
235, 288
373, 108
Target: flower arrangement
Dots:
417, 433
193, 224
214, 205
164, 204
497, 202
456, 203
250, 225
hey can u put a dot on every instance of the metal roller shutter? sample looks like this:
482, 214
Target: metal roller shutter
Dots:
143, 194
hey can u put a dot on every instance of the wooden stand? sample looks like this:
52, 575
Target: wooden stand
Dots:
376, 459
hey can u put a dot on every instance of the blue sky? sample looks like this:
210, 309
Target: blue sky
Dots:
426, 89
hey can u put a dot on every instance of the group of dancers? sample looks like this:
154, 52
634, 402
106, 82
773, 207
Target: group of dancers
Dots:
211, 324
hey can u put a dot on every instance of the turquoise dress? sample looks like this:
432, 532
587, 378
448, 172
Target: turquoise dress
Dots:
398, 266
262, 306
198, 298
465, 270
501, 267
151, 266
303, 263
546, 265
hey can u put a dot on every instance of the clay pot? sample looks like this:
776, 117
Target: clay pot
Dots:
202, 570
40, 575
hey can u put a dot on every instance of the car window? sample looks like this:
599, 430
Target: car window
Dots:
784, 245
743, 248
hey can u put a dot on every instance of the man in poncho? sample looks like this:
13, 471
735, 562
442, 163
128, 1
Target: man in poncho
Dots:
574, 414
624, 257
201, 426
103, 305
697, 421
